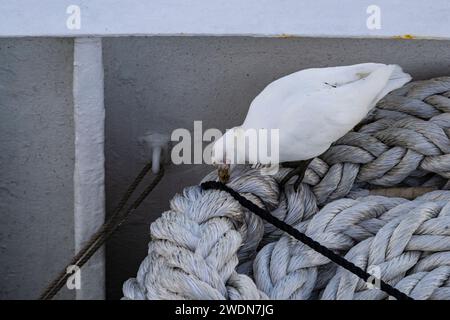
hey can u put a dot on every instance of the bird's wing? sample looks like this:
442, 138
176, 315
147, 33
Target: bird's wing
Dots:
315, 107
374, 79
323, 117
302, 84
309, 121
341, 75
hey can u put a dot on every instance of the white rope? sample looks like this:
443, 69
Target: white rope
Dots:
209, 247
395, 250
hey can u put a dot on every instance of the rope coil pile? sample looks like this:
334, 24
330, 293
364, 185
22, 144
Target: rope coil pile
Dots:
207, 246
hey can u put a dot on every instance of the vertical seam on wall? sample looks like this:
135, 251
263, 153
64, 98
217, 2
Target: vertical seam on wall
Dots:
89, 170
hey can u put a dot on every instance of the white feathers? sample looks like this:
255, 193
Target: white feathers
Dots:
313, 108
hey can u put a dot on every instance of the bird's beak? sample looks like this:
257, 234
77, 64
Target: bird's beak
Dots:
223, 171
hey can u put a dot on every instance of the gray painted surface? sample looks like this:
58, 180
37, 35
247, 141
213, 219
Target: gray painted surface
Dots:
167, 83
36, 164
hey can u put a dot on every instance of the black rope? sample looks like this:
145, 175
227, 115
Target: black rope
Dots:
344, 263
116, 219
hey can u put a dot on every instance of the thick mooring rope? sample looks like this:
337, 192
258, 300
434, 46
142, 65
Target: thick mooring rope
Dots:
298, 235
207, 246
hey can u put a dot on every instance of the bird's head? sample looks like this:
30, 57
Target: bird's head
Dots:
223, 153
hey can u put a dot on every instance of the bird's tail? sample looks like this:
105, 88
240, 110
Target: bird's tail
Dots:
397, 79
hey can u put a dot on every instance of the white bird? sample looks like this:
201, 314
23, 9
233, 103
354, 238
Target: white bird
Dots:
312, 108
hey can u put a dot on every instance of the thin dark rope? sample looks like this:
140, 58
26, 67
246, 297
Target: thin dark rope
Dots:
313, 244
106, 230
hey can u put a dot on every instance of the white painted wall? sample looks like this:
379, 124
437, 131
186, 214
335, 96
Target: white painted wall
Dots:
318, 18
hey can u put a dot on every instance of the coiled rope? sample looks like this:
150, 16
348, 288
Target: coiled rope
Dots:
208, 246
316, 246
